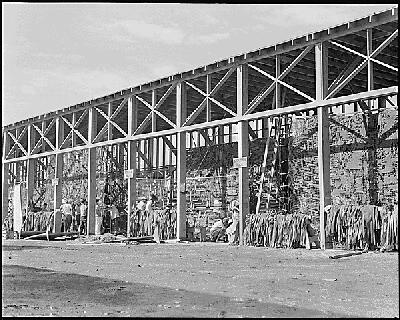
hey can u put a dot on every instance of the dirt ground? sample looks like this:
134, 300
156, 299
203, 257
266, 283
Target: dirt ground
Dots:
64, 278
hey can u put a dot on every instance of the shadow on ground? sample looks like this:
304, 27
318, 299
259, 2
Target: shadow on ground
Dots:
32, 292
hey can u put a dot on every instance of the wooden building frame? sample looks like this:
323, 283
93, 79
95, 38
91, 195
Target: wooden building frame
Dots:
355, 62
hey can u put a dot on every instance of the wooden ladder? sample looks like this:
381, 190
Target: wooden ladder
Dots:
284, 181
272, 135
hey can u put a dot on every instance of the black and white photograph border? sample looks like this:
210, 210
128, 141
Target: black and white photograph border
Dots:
149, 170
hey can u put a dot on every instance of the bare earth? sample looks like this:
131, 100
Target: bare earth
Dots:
43, 278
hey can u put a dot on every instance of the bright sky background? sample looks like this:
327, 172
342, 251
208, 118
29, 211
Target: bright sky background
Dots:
56, 55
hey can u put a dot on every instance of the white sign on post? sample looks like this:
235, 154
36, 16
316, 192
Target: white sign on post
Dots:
128, 174
240, 162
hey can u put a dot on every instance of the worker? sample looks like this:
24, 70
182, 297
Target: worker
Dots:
114, 218
99, 217
202, 225
218, 230
233, 230
66, 210
141, 204
312, 234
150, 213
83, 212
48, 217
77, 216
140, 211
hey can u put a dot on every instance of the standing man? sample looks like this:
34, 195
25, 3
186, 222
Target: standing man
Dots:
150, 213
233, 230
83, 214
99, 217
114, 218
66, 210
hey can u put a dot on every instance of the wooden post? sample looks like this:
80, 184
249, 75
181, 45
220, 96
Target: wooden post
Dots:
73, 134
5, 167
58, 172
30, 166
132, 155
110, 147
181, 162
370, 49
223, 167
277, 85
243, 147
321, 65
152, 149
208, 102
92, 166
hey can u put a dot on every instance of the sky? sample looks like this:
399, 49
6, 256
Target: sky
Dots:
55, 55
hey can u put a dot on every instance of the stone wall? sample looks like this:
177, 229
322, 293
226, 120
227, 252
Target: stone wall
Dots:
364, 159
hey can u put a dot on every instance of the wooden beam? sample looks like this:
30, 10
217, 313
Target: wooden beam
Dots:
243, 147
5, 174
282, 83
153, 107
211, 98
208, 141
92, 166
109, 123
132, 156
152, 151
370, 64
73, 124
73, 132
383, 45
321, 66
181, 113
197, 111
43, 133
277, 85
260, 97
9, 152
77, 123
390, 91
58, 172
370, 57
208, 102
169, 144
30, 168
18, 143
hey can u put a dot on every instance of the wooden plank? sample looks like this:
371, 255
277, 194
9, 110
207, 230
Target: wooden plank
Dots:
92, 167
208, 102
132, 158
5, 174
321, 65
181, 97
347, 254
243, 147
370, 64
197, 111
15, 145
18, 143
169, 144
